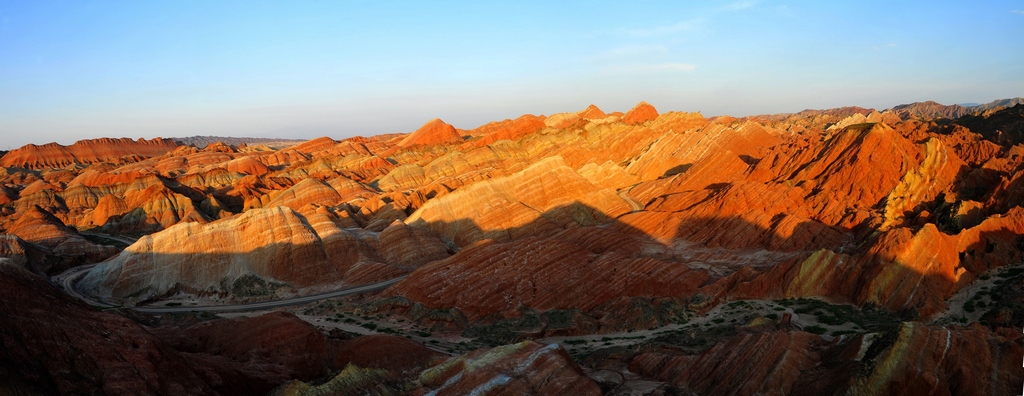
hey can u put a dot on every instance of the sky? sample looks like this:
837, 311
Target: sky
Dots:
85, 69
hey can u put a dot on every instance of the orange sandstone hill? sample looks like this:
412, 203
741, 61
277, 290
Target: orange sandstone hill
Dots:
433, 132
836, 251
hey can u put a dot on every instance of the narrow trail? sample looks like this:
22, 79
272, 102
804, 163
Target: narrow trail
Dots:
634, 205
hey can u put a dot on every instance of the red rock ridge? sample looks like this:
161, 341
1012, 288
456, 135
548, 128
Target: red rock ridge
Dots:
53, 155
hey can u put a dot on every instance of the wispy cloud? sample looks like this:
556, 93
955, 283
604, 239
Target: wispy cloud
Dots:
663, 30
1017, 12
652, 67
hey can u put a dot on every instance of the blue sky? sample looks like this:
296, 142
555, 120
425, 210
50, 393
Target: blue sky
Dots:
77, 70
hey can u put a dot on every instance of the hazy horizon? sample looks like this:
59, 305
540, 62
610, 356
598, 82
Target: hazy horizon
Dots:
72, 71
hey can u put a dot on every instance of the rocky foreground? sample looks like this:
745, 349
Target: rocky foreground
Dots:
841, 251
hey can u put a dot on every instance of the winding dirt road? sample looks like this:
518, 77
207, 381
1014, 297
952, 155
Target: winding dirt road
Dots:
68, 280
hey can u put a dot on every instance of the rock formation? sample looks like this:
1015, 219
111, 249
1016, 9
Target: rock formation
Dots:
433, 132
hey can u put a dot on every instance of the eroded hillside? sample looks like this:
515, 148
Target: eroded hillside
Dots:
853, 238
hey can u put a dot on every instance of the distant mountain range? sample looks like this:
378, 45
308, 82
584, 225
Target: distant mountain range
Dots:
933, 109
203, 141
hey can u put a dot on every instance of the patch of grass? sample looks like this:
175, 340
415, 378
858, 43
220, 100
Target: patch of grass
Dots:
815, 329
575, 342
831, 320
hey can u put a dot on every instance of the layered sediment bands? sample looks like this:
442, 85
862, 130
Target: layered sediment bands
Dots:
492, 277
247, 165
70, 248
932, 360
274, 244
958, 361
314, 145
679, 148
409, 246
737, 216
902, 270
581, 222
107, 150
546, 197
592, 112
402, 178
308, 191
750, 363
640, 114
433, 132
527, 368
52, 344
294, 348
508, 129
